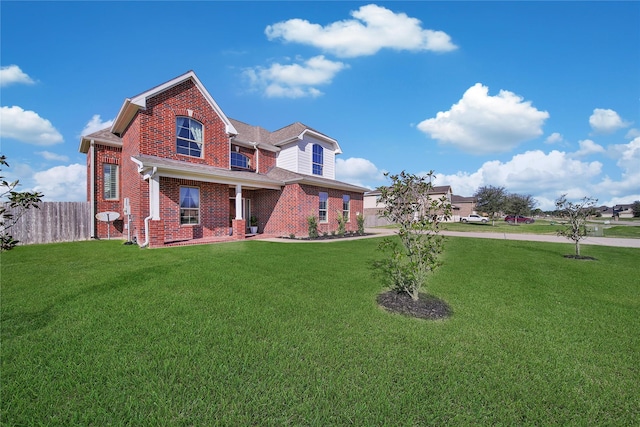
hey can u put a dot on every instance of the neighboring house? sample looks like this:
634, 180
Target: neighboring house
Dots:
462, 206
373, 207
178, 169
617, 212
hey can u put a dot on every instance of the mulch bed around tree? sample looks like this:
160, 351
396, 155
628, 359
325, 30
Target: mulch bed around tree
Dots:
426, 307
583, 257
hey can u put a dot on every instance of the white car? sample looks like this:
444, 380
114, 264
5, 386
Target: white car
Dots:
475, 218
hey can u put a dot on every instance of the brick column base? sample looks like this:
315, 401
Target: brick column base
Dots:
239, 229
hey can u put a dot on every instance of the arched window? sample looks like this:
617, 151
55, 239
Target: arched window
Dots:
188, 137
318, 159
239, 160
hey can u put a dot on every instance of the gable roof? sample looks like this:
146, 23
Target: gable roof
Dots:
297, 131
139, 102
462, 199
103, 136
249, 134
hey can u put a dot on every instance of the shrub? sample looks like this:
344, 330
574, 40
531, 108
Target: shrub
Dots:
313, 227
360, 219
418, 216
342, 224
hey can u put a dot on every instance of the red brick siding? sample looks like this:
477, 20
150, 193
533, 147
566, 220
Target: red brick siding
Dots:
158, 126
285, 212
214, 210
132, 184
267, 160
107, 155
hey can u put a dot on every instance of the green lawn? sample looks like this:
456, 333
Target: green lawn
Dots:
258, 333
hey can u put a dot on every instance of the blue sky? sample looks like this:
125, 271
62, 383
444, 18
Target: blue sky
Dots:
541, 98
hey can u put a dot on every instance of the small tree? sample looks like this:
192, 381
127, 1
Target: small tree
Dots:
312, 222
18, 201
576, 214
490, 200
520, 204
360, 219
342, 224
407, 203
635, 207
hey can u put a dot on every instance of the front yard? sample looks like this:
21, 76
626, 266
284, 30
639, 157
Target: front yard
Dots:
261, 333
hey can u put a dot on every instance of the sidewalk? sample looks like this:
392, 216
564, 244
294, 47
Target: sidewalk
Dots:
602, 241
380, 232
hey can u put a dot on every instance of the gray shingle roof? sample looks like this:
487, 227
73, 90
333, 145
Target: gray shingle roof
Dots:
103, 135
250, 133
287, 176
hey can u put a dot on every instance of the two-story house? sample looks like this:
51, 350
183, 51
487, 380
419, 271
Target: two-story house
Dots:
177, 169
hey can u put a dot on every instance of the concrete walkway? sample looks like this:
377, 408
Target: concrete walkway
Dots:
379, 232
602, 241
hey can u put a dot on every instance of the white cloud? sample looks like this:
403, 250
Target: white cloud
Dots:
95, 124
12, 74
632, 133
358, 171
554, 138
373, 28
62, 183
295, 80
543, 175
481, 124
27, 126
628, 154
53, 156
588, 147
606, 121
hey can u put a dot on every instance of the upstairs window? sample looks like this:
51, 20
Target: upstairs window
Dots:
322, 206
318, 159
188, 137
189, 205
239, 160
110, 178
346, 202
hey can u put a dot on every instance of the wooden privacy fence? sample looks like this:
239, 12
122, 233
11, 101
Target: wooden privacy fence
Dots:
53, 222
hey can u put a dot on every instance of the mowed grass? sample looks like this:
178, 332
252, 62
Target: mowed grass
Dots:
259, 333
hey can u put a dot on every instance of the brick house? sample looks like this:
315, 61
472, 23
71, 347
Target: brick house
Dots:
373, 206
177, 169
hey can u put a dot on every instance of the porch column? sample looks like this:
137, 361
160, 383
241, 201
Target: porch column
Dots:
238, 201
154, 197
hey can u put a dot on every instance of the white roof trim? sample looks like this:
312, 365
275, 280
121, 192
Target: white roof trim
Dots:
318, 135
138, 102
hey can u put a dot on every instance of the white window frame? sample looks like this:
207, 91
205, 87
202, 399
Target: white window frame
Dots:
314, 163
346, 202
323, 211
111, 183
189, 141
191, 210
241, 155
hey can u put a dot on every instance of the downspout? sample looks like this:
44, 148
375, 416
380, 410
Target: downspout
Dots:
255, 147
148, 176
92, 183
